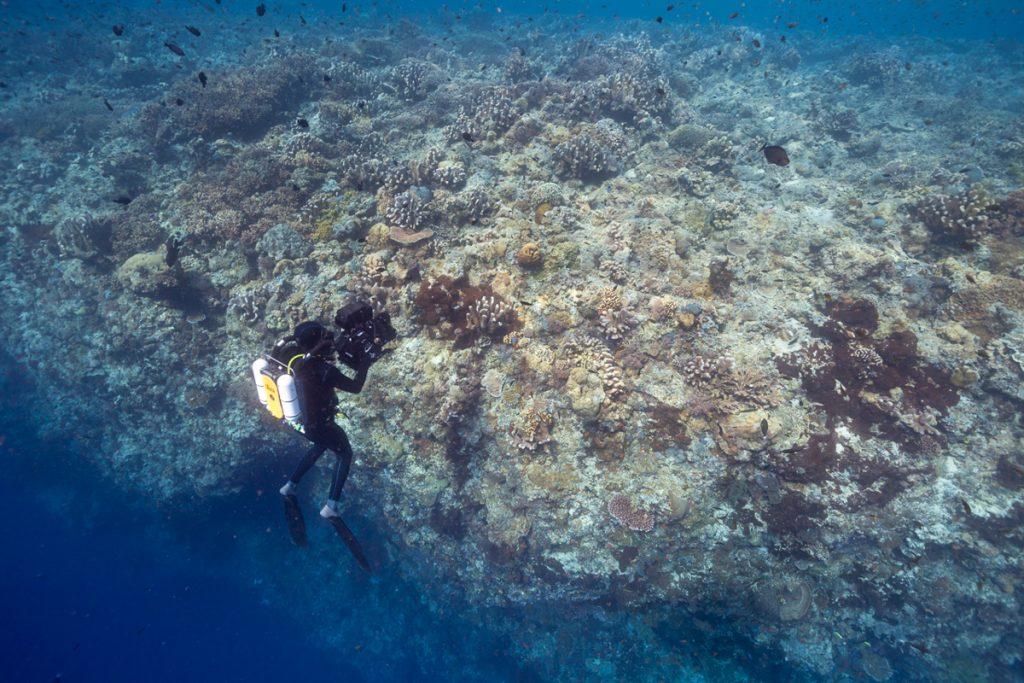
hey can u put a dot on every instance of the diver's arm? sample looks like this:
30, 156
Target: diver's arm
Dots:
352, 385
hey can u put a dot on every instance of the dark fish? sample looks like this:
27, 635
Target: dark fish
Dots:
193, 30
344, 7
660, 91
734, 15
468, 137
202, 78
302, 19
277, 34
757, 43
659, 19
123, 201
793, 24
670, 8
109, 106
175, 49
967, 508
361, 104
327, 79
261, 9
303, 123
178, 101
118, 29
776, 155
764, 427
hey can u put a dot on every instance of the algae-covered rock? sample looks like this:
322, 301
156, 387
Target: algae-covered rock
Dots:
283, 242
148, 273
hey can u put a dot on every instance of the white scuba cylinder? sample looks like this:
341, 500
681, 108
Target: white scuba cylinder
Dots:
258, 366
289, 397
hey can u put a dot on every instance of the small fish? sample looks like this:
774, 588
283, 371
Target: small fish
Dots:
303, 123
118, 29
175, 49
327, 79
782, 38
670, 8
734, 15
261, 9
302, 19
967, 508
123, 200
775, 155
764, 427
202, 78
344, 7
193, 30
843, 86
178, 101
277, 34
468, 137
108, 105
757, 43
659, 19
792, 24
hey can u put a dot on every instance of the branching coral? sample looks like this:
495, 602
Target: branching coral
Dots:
582, 156
879, 385
964, 218
406, 210
456, 310
595, 357
533, 428
410, 78
623, 510
82, 236
372, 282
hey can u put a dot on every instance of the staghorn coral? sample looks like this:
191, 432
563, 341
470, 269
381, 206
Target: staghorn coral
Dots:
625, 512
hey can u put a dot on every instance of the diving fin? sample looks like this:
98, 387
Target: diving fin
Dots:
350, 540
296, 523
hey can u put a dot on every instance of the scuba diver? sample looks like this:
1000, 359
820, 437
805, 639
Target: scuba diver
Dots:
317, 380
296, 382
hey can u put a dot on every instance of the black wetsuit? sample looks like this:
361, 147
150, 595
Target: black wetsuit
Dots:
317, 381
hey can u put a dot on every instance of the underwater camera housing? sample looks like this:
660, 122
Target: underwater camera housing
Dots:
362, 334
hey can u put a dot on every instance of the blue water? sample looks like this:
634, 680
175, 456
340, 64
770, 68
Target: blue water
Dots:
99, 587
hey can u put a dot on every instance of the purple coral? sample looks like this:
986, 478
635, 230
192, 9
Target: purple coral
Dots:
621, 507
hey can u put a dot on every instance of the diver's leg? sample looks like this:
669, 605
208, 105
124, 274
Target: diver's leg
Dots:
343, 450
312, 455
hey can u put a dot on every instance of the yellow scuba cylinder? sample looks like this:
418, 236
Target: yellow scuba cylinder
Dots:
258, 366
289, 397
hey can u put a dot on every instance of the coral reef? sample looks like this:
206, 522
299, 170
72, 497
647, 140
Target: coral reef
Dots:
645, 380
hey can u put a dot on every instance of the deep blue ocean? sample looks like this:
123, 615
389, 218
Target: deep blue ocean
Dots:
101, 582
